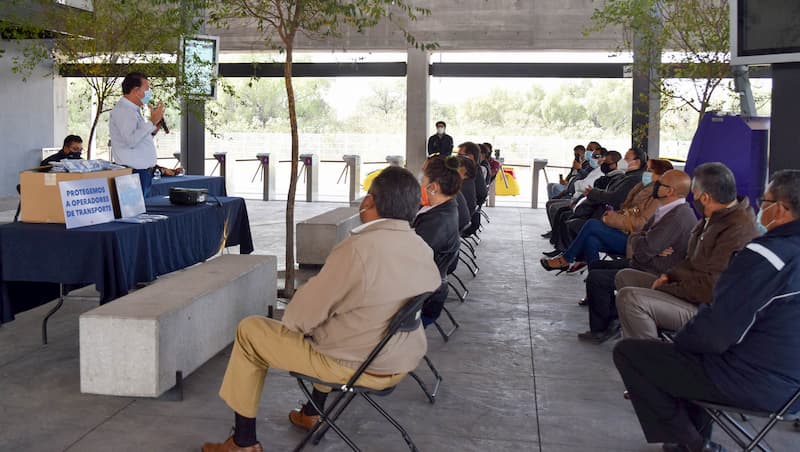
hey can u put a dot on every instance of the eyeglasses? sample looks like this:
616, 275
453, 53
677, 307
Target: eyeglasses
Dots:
762, 200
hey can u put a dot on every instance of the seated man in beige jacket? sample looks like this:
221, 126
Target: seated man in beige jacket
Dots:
339, 316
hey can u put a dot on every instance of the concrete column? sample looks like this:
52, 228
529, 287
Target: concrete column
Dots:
646, 104
417, 108
538, 166
784, 139
35, 115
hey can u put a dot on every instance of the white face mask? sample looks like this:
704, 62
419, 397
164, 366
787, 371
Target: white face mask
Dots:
440, 130
623, 165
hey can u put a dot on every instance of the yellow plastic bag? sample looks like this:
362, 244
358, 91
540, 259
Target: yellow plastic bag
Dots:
507, 186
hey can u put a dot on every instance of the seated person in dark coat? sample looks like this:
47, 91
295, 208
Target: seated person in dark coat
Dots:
437, 224
72, 148
742, 349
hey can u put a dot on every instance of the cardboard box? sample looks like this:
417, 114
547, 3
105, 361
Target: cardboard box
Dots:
40, 199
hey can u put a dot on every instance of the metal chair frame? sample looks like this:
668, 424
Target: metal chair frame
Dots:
406, 319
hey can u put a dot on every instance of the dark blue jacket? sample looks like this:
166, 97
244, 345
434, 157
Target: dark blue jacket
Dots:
748, 338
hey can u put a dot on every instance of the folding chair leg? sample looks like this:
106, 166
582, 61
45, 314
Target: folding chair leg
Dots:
469, 246
486, 216
474, 265
396, 424
326, 419
474, 271
431, 395
461, 297
446, 334
728, 424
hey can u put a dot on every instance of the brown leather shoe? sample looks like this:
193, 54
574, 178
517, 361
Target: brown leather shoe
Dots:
230, 446
304, 421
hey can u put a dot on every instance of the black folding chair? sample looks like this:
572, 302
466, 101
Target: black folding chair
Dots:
407, 319
737, 432
19, 205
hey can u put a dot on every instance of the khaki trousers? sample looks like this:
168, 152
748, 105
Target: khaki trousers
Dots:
643, 311
263, 343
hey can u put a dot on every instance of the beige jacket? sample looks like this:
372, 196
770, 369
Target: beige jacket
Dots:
346, 308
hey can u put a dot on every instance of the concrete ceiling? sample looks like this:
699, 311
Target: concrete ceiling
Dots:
462, 25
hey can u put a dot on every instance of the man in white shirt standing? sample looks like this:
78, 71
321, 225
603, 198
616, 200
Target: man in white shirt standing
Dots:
131, 135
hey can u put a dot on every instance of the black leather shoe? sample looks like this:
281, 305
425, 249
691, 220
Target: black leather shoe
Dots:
553, 253
709, 446
600, 336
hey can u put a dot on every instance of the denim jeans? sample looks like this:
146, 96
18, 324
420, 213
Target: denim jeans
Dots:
146, 178
594, 238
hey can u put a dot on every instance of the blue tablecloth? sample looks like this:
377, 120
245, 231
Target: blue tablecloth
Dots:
214, 184
113, 256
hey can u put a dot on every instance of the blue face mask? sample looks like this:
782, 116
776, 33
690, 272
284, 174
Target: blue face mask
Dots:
594, 163
587, 155
761, 228
148, 95
647, 178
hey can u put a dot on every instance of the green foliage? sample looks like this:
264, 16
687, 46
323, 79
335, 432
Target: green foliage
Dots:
692, 34
281, 21
122, 37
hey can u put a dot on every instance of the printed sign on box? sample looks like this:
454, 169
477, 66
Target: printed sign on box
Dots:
129, 192
86, 202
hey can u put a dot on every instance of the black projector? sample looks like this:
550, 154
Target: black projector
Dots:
187, 196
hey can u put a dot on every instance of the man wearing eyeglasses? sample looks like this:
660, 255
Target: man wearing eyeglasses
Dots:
742, 349
73, 146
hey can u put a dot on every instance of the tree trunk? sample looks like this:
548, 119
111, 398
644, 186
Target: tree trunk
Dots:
100, 102
290, 272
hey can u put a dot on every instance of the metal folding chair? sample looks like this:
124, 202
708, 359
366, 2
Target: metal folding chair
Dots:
407, 319
741, 435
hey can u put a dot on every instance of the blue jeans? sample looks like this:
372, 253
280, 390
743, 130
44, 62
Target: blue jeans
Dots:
146, 178
594, 238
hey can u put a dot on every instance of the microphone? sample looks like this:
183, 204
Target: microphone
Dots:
163, 125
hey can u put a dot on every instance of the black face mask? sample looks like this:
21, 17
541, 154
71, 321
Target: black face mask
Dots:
606, 168
656, 186
699, 207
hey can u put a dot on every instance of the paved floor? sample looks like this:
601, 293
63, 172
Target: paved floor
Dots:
516, 378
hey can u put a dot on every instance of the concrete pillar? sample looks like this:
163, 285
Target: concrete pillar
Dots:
417, 108
646, 106
35, 116
193, 137
784, 141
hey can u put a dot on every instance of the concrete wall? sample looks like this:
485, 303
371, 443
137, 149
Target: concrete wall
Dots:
34, 116
510, 25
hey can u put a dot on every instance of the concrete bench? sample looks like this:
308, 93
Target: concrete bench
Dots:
317, 236
134, 345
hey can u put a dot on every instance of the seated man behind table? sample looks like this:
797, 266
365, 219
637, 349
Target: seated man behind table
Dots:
659, 246
437, 224
647, 303
742, 349
337, 317
72, 148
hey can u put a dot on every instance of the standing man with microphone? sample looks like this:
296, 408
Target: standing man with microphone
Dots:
131, 135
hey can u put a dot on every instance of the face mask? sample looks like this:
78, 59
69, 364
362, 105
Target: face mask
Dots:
594, 163
440, 130
699, 207
587, 155
647, 179
606, 168
148, 95
656, 187
623, 165
763, 229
